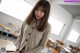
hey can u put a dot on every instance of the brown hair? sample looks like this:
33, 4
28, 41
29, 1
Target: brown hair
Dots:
44, 21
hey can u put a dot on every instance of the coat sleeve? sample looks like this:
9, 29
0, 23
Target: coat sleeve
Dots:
18, 42
42, 42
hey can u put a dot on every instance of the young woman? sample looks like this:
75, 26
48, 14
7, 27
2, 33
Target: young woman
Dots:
35, 29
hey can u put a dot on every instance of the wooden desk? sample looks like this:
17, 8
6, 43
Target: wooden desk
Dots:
14, 34
53, 50
49, 44
8, 29
60, 42
5, 27
64, 48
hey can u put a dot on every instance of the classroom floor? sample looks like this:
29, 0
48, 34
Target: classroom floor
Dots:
7, 37
8, 42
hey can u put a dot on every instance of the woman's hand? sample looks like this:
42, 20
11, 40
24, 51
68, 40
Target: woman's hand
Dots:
17, 51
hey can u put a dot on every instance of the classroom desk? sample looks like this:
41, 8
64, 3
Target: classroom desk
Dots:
5, 28
64, 48
49, 44
53, 50
58, 47
14, 34
8, 29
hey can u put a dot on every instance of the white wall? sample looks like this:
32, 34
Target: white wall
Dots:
0, 1
74, 25
5, 19
62, 15
65, 17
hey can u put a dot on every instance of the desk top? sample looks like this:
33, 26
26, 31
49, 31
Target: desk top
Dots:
58, 45
48, 44
14, 34
53, 50
65, 48
5, 27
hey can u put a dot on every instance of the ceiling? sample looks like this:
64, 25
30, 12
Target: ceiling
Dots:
33, 2
72, 7
0, 1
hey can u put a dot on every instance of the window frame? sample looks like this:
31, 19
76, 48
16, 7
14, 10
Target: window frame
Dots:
71, 40
60, 30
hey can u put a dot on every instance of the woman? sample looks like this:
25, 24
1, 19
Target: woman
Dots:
35, 29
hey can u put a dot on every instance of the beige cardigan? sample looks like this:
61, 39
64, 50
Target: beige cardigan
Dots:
31, 38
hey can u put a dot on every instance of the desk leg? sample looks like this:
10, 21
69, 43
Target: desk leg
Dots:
2, 32
7, 34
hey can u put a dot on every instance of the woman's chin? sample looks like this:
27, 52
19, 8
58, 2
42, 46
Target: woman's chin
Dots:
37, 18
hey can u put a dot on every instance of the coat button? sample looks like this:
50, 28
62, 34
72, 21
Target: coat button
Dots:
26, 40
29, 34
32, 27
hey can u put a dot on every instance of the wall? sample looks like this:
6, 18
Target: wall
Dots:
0, 1
77, 27
65, 17
62, 15
6, 19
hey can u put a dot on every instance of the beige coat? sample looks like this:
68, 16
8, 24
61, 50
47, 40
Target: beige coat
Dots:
31, 38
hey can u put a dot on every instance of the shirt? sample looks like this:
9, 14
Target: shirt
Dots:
33, 40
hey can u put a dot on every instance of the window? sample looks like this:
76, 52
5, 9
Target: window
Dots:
56, 26
73, 36
16, 8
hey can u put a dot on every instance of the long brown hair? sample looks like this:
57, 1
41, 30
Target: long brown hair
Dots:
44, 20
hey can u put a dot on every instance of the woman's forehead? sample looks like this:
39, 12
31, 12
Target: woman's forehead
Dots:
40, 7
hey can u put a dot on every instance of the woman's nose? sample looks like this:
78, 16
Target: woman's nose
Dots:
39, 12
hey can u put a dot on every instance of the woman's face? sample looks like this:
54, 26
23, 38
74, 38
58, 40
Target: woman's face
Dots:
39, 13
